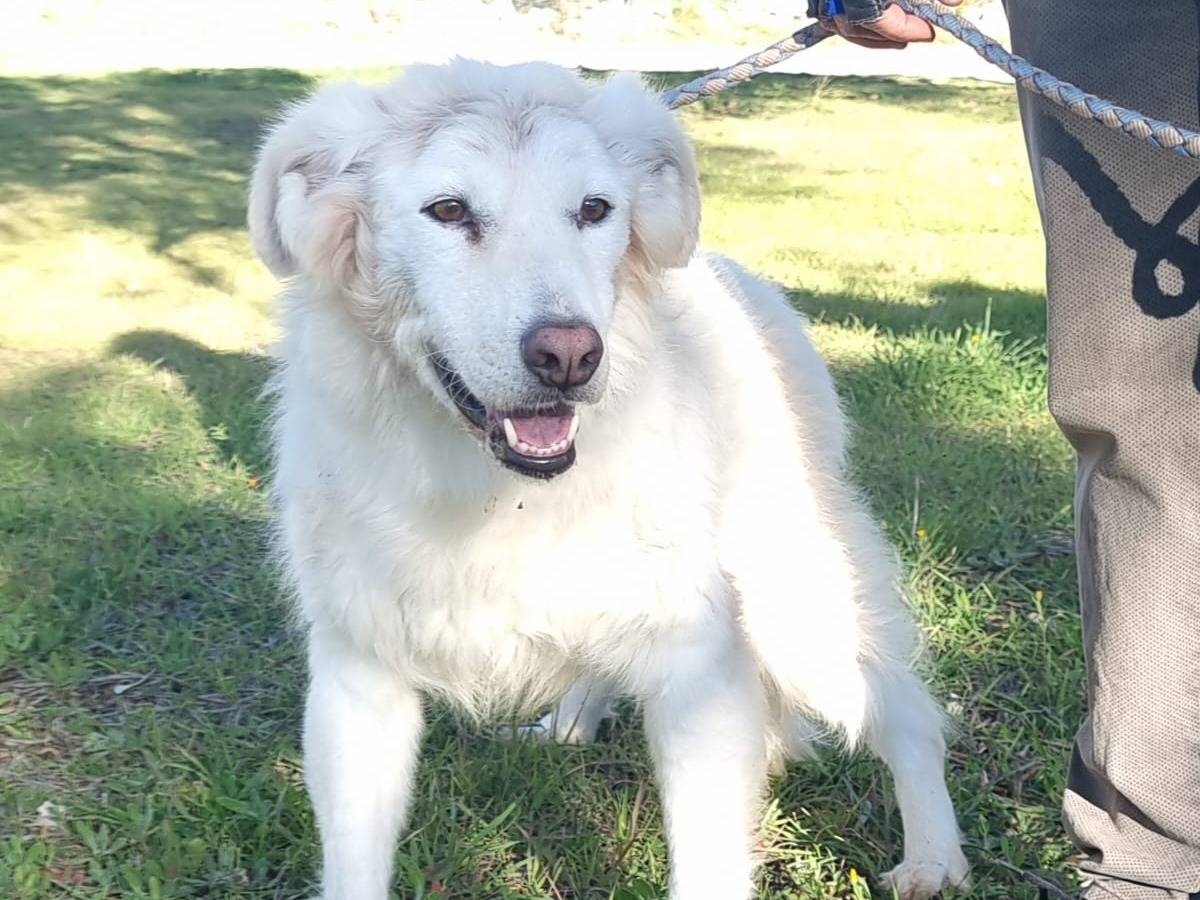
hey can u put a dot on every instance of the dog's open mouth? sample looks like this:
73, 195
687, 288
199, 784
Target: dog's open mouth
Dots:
535, 442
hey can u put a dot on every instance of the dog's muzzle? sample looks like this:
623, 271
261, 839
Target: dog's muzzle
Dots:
537, 442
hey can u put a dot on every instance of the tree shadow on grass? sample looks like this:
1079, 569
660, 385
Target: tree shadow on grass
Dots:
949, 403
955, 449
154, 571
162, 154
115, 492
1018, 313
144, 552
142, 642
779, 94
227, 387
969, 497
763, 176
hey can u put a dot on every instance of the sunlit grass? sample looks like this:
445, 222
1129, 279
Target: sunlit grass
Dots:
149, 687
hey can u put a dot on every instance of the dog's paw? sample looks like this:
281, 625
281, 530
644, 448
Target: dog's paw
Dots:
534, 731
547, 729
921, 879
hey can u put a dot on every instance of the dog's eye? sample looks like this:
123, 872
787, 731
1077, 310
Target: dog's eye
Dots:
450, 211
593, 210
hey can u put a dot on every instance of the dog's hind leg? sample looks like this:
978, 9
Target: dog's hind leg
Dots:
362, 727
905, 729
579, 714
796, 736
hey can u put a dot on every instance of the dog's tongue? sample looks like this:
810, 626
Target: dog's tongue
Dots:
546, 434
542, 431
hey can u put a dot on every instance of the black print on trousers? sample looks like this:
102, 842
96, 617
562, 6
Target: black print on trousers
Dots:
1152, 243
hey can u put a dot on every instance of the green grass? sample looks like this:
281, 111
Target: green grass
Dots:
150, 688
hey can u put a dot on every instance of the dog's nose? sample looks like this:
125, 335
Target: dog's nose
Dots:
562, 356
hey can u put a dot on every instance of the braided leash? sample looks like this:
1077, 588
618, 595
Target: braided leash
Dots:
751, 66
1171, 137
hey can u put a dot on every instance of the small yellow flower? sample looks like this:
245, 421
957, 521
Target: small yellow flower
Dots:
252, 483
975, 338
854, 876
1038, 595
922, 534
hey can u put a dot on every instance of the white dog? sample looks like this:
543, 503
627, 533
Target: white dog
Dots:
527, 438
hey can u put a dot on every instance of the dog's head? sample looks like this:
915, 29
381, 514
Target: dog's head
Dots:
480, 219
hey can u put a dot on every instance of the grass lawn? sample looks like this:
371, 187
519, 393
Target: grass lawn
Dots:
150, 688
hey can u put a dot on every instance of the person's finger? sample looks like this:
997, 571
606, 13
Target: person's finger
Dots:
875, 43
863, 37
897, 25
859, 33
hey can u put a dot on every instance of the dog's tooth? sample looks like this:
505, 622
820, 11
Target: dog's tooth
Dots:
527, 449
574, 429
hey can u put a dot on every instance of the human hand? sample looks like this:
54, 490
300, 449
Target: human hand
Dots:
894, 29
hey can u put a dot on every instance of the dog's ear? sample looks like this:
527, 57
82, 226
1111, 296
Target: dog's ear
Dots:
645, 135
306, 210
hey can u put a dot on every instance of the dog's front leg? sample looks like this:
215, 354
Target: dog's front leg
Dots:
704, 711
362, 727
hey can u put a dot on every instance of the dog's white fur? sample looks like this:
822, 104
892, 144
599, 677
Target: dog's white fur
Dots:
705, 555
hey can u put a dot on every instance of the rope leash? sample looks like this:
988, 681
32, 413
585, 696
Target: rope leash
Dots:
1181, 141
